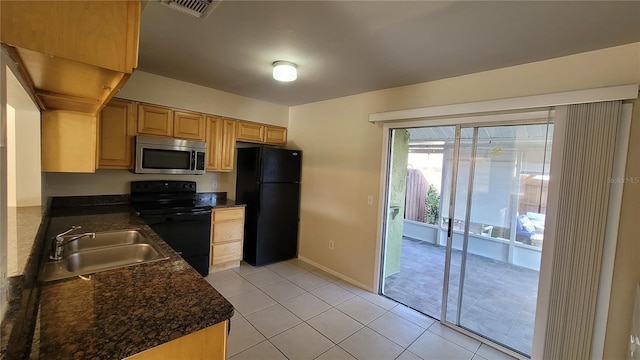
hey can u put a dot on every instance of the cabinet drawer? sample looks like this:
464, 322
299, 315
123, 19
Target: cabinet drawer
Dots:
228, 214
226, 252
228, 231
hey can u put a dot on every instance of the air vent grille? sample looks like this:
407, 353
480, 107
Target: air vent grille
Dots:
197, 8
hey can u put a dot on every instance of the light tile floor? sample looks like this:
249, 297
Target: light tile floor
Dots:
292, 310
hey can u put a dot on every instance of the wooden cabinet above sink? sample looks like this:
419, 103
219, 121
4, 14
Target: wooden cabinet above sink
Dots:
74, 55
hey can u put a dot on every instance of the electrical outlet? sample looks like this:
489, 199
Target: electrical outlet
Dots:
331, 244
214, 185
370, 199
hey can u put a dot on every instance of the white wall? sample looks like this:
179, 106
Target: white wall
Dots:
23, 146
28, 188
342, 163
160, 90
4, 58
10, 121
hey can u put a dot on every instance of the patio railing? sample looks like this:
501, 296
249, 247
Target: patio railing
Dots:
486, 246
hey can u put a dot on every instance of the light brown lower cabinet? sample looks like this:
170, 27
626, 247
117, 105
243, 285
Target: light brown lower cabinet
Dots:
227, 236
209, 343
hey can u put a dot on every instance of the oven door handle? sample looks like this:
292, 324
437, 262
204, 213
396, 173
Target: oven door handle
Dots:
204, 212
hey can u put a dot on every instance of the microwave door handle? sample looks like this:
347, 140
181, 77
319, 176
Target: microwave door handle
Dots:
193, 159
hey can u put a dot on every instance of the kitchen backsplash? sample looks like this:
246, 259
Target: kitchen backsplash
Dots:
115, 182
212, 197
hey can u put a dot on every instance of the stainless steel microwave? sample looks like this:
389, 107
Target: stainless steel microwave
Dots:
157, 155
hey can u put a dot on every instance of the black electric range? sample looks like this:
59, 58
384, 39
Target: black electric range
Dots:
170, 208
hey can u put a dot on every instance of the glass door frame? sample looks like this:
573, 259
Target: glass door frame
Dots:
465, 244
473, 122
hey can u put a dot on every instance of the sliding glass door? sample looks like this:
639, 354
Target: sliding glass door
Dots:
415, 245
490, 232
498, 231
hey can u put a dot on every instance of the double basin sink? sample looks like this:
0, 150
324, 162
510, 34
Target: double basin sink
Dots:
106, 251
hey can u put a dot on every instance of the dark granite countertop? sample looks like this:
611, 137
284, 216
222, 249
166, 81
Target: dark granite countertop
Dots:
122, 312
216, 200
221, 205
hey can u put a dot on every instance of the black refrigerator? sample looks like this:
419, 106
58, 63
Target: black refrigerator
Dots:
268, 182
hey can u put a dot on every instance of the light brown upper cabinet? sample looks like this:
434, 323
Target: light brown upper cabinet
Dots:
221, 143
250, 132
155, 120
228, 145
261, 133
68, 142
74, 55
214, 142
188, 125
117, 127
275, 135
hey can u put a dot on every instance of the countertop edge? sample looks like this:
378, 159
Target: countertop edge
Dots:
24, 308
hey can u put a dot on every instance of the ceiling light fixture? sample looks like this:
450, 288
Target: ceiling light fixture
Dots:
285, 71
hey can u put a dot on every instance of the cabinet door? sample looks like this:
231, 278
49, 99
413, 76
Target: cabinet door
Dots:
154, 120
228, 231
68, 142
228, 145
99, 33
275, 135
208, 343
250, 132
214, 143
227, 238
226, 252
188, 125
117, 126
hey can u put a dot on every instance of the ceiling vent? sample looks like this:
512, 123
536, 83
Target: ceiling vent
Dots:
197, 8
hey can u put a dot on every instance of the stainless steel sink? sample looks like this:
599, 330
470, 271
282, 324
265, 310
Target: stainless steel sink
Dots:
105, 239
107, 251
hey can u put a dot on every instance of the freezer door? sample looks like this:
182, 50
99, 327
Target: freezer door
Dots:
277, 230
280, 165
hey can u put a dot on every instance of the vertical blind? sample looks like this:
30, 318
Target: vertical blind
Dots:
580, 228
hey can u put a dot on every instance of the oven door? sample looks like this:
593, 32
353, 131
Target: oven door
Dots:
188, 233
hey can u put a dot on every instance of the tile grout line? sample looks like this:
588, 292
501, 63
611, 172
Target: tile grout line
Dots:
332, 306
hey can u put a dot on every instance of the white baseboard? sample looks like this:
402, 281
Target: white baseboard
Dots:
337, 274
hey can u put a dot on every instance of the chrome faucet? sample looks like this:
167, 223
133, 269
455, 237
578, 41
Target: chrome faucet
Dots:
59, 242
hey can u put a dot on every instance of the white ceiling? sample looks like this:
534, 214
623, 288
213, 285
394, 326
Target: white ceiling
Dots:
349, 47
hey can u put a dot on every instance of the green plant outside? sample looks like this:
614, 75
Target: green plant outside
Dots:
432, 203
